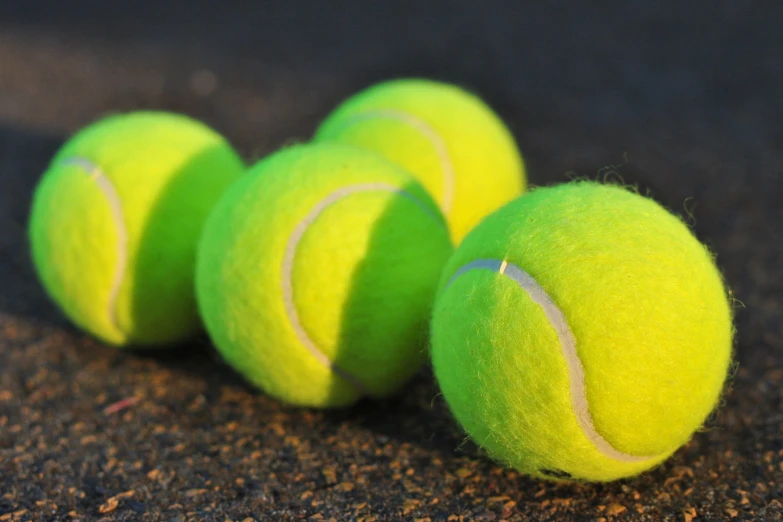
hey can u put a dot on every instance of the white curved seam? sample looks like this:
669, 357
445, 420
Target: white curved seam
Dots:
115, 205
288, 267
576, 372
438, 143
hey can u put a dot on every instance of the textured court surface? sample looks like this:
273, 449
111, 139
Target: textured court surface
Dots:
684, 101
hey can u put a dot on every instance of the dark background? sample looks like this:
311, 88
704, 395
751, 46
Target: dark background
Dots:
684, 99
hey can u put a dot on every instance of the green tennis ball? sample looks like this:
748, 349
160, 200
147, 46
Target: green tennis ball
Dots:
581, 332
316, 274
115, 222
447, 138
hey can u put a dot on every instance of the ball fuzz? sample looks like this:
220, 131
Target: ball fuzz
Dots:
116, 218
581, 332
316, 274
447, 138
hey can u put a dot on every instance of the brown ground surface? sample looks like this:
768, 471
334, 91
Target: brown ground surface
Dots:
684, 98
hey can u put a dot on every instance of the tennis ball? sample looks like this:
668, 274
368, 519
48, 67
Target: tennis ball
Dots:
581, 332
316, 274
447, 138
115, 221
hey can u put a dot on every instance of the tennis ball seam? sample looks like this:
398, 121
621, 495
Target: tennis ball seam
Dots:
437, 142
288, 267
576, 373
115, 204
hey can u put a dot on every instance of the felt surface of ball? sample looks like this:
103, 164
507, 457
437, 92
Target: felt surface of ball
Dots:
581, 332
449, 139
316, 274
116, 218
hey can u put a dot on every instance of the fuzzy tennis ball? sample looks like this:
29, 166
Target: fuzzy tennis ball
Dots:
116, 219
316, 274
581, 332
449, 139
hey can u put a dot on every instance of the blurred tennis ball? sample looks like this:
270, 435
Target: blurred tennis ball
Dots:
116, 218
316, 274
449, 139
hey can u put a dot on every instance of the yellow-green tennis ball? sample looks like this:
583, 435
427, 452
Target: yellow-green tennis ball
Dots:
581, 332
316, 274
449, 139
116, 219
